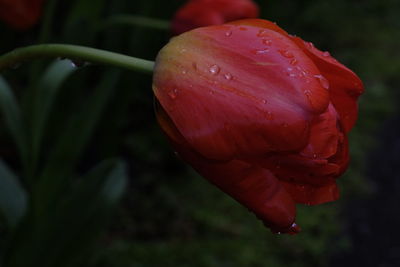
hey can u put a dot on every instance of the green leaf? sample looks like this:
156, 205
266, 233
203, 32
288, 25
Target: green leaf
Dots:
12, 115
13, 199
45, 94
71, 144
65, 235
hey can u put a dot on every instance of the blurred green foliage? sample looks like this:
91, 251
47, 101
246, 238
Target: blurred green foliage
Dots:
68, 136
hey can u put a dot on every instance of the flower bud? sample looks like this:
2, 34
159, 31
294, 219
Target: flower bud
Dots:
200, 13
261, 114
20, 14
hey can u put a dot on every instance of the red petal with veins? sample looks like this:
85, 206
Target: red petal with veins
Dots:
344, 85
258, 114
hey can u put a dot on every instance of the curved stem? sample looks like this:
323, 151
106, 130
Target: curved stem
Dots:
132, 20
75, 52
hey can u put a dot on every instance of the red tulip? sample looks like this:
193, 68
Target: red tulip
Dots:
20, 14
200, 13
261, 114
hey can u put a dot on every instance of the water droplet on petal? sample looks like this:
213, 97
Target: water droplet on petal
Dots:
262, 33
269, 115
267, 41
183, 50
228, 33
322, 80
184, 71
286, 53
314, 156
228, 76
262, 51
310, 45
264, 101
326, 54
214, 69
173, 93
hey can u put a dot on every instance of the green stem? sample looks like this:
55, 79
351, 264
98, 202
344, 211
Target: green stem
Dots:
75, 52
132, 20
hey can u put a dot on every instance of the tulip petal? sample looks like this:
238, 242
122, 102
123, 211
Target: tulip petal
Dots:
312, 195
324, 135
200, 13
344, 85
20, 14
254, 187
250, 110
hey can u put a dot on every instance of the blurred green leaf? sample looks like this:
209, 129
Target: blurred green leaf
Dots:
65, 235
13, 199
12, 115
71, 144
46, 92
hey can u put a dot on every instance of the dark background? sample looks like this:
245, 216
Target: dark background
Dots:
167, 215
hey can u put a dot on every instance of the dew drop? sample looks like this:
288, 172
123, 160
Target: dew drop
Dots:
183, 50
184, 71
214, 69
326, 54
77, 63
322, 80
310, 45
228, 76
262, 51
264, 101
314, 156
228, 33
293, 62
173, 93
286, 53
262, 33
269, 115
289, 69
267, 42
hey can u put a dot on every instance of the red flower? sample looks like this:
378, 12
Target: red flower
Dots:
200, 13
20, 14
260, 113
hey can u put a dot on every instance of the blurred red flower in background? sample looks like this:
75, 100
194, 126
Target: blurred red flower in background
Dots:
260, 113
200, 13
20, 14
